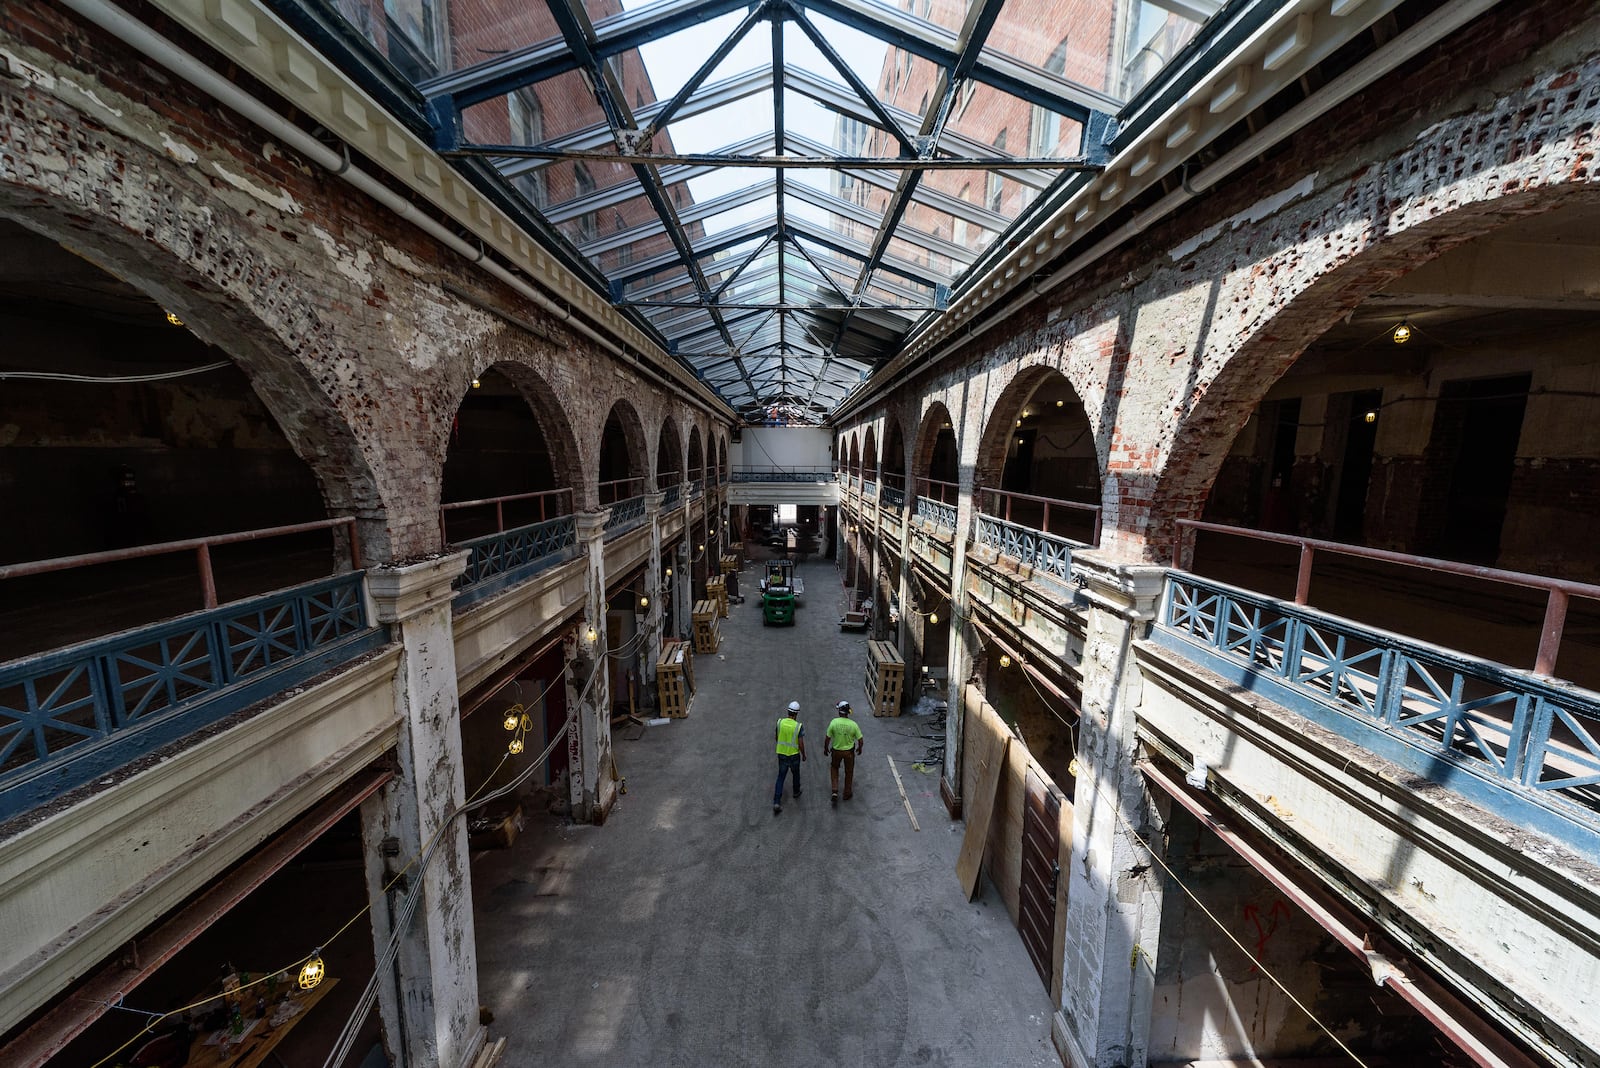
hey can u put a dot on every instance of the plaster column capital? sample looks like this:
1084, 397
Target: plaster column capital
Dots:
405, 591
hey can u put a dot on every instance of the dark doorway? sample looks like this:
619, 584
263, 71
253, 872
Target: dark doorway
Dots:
1277, 508
1018, 474
1355, 469
1477, 428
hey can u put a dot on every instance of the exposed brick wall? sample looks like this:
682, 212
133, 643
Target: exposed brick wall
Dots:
1173, 341
335, 310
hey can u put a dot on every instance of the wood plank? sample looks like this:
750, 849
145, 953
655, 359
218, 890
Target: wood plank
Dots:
989, 759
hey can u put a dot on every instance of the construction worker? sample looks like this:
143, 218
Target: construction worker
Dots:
844, 742
791, 753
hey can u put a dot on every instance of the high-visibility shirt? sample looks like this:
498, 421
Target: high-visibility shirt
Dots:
789, 731
843, 734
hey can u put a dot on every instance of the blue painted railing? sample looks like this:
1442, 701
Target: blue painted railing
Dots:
894, 498
73, 715
697, 487
672, 496
498, 561
1512, 742
1035, 548
625, 515
936, 512
869, 488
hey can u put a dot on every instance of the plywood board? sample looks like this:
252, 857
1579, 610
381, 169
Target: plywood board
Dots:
989, 758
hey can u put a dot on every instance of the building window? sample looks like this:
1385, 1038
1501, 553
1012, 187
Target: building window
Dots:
958, 228
421, 22
964, 96
1044, 125
526, 119
583, 185
996, 183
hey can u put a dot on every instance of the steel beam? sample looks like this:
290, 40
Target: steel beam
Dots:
813, 163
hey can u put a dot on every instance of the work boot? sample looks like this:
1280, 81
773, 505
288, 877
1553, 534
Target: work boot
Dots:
834, 800
776, 809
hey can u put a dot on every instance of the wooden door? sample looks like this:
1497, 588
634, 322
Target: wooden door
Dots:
1041, 872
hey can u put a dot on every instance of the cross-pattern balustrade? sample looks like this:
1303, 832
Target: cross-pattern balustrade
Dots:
506, 558
936, 512
72, 715
1034, 548
672, 496
625, 515
892, 496
1510, 741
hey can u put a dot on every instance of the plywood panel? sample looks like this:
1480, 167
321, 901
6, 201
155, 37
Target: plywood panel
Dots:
988, 754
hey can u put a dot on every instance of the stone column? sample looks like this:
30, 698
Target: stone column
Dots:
591, 790
1113, 893
429, 1007
650, 648
682, 587
958, 663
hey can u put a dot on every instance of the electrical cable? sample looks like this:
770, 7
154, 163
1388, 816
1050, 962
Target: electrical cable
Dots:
62, 376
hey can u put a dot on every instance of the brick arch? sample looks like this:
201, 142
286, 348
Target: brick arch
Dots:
634, 443
722, 457
993, 441
697, 458
1262, 355
934, 417
895, 450
265, 327
524, 369
669, 452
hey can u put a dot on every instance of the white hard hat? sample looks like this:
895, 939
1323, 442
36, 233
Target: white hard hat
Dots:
841, 706
794, 706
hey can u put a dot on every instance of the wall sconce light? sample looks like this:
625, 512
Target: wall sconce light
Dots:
591, 635
1059, 403
1402, 333
1019, 423
1371, 417
669, 572
172, 317
1005, 661
475, 383
644, 602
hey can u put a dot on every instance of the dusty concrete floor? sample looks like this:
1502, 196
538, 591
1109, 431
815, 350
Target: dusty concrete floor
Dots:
697, 928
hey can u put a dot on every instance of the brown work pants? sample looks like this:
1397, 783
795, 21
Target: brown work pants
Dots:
848, 758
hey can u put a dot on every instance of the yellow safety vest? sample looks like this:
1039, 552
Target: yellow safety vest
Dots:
788, 736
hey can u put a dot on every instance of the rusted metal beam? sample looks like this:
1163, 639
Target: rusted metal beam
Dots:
104, 990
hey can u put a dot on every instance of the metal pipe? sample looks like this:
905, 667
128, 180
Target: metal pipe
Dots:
1302, 579
136, 34
1555, 621
208, 581
117, 556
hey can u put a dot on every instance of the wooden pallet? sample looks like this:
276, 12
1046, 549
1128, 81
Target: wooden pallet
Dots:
707, 627
717, 590
675, 679
730, 563
886, 678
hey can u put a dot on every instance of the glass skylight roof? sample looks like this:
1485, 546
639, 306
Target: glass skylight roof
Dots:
904, 141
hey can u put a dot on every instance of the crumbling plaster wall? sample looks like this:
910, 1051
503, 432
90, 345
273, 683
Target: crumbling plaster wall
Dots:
336, 311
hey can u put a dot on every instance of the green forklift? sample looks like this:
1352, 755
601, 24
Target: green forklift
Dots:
780, 593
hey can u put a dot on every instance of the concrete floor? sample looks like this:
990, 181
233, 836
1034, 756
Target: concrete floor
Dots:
697, 928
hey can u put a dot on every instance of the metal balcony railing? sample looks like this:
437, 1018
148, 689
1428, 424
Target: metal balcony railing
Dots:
69, 716
1074, 521
1034, 548
503, 559
625, 515
893, 496
783, 474
1512, 742
672, 496
550, 503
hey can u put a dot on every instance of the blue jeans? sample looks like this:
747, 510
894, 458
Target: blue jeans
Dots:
786, 764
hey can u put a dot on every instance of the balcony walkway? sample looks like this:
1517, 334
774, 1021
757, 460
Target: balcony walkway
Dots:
697, 928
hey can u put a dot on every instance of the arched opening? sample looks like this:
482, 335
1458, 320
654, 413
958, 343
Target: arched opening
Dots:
894, 458
1443, 410
854, 465
723, 473
1037, 463
125, 430
620, 474
869, 456
696, 454
936, 464
501, 469
669, 456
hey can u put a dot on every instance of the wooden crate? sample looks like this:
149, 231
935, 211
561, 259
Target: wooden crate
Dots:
717, 590
675, 679
886, 678
730, 563
707, 627
737, 547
